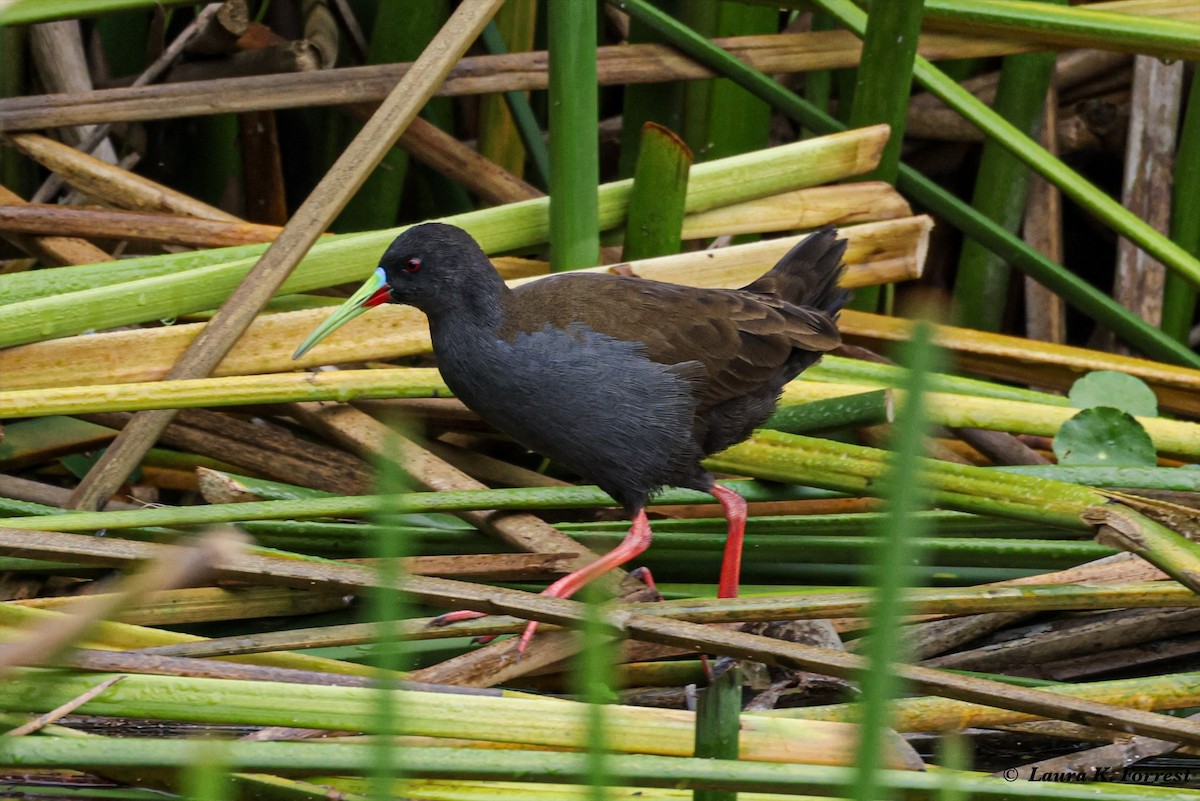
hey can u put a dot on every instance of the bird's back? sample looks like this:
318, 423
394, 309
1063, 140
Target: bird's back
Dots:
749, 341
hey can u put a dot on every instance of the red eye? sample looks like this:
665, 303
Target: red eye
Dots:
412, 265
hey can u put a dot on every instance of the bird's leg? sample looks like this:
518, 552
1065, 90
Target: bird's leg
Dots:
635, 542
644, 575
734, 506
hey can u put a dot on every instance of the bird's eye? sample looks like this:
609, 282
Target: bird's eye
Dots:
412, 265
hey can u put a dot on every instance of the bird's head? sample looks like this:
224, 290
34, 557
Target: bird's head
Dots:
428, 266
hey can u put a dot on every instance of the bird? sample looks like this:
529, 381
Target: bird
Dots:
629, 383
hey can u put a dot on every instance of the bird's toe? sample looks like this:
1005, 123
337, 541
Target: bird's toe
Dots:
455, 617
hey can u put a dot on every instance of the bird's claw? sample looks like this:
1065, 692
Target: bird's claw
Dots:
454, 617
483, 639
559, 589
644, 575
526, 637
459, 616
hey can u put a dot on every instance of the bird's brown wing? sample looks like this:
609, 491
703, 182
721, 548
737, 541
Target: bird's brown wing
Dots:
742, 340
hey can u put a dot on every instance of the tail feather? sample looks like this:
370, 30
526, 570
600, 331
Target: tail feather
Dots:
808, 274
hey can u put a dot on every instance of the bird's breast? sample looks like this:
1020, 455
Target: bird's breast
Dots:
592, 402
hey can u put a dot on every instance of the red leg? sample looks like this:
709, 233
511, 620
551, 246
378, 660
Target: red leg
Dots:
635, 542
734, 506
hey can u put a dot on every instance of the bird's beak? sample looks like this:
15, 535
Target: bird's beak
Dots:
372, 293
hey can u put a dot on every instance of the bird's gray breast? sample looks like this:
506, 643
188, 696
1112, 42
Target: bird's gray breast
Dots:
594, 403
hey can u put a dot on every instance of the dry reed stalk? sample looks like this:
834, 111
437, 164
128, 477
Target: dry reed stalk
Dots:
218, 34
53, 250
841, 204
1149, 168
1045, 312
1025, 361
262, 168
24, 489
42, 644
464, 165
58, 53
110, 183
934, 637
110, 635
1071, 68
141, 226
295, 57
488, 469
1025, 649
203, 604
265, 451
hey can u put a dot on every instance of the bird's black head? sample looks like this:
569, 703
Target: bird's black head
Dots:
433, 266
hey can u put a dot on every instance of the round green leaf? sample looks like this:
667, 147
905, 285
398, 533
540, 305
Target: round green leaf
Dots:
1116, 390
1104, 436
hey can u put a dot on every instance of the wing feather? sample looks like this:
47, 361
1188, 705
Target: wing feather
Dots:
744, 341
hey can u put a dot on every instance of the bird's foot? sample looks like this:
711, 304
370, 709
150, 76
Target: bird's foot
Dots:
644, 575
459, 616
635, 542
484, 639
706, 666
526, 636
455, 617
565, 587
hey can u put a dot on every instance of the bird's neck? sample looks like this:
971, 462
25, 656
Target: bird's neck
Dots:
472, 321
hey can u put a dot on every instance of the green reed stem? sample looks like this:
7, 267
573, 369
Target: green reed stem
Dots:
539, 767
1070, 27
1179, 297
399, 32
29, 11
654, 224
884, 77
818, 84
882, 86
660, 103
847, 411
574, 157
205, 777
386, 607
594, 678
536, 152
718, 710
1001, 187
905, 493
736, 121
